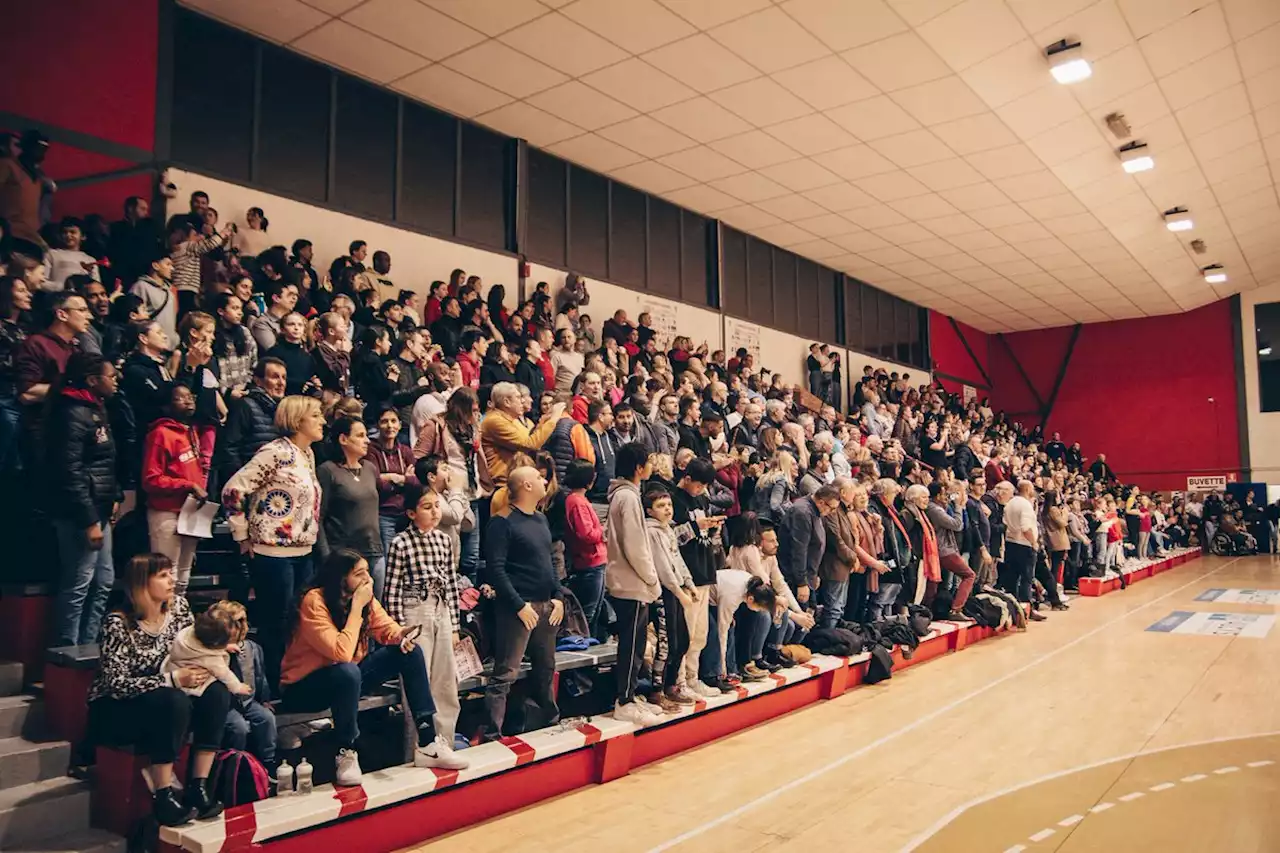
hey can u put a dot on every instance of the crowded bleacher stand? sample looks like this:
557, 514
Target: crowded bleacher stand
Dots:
413, 475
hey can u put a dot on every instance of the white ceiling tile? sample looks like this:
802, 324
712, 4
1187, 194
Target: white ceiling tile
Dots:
278, 20
1093, 165
703, 163
811, 134
1213, 113
755, 149
1030, 186
1001, 215
490, 17
1146, 16
646, 136
972, 31
791, 207
333, 7
951, 226
505, 69
769, 40
826, 83
873, 118
888, 255
939, 101
931, 248
1010, 74
750, 187
844, 24
946, 174
1038, 14
523, 121
702, 198
975, 133
1080, 223
1259, 51
414, 27
1199, 80
747, 216
1262, 88
338, 43
1247, 157
1004, 162
827, 225
1100, 29
891, 186
636, 26
839, 197
897, 62
561, 43
1051, 206
761, 102
705, 14
1067, 140
639, 85
856, 161
861, 241
1040, 110
995, 254
1186, 40
1114, 76
582, 105
818, 250
447, 89
652, 177
914, 148
1246, 17
701, 62
800, 175
917, 12
702, 119
783, 234
876, 216
976, 197
921, 207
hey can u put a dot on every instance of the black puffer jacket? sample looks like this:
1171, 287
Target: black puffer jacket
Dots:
250, 424
80, 459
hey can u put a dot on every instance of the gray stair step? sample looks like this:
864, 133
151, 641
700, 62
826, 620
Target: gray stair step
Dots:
10, 678
43, 810
87, 841
21, 716
23, 761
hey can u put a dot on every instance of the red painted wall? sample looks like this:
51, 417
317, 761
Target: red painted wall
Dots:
950, 356
83, 65
1136, 390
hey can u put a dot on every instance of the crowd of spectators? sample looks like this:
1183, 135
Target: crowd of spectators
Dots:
388, 464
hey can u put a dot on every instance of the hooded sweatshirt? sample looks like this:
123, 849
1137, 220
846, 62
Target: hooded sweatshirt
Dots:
171, 465
673, 574
630, 572
186, 650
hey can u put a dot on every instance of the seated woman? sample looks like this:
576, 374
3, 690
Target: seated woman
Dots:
329, 661
132, 703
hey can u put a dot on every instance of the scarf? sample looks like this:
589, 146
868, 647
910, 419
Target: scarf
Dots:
865, 535
929, 545
468, 439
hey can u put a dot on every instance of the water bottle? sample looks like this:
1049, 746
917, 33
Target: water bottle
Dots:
304, 777
284, 779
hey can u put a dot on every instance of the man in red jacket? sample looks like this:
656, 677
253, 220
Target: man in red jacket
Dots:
471, 356
173, 470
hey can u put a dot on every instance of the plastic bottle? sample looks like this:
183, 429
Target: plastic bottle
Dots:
304, 777
284, 779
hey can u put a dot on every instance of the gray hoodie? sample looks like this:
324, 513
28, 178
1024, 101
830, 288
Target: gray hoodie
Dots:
673, 574
630, 572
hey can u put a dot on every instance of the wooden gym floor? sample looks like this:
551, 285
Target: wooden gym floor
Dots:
1088, 732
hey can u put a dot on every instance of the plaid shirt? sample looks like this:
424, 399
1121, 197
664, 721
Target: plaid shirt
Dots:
419, 564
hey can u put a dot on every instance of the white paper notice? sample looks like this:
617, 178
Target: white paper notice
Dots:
196, 518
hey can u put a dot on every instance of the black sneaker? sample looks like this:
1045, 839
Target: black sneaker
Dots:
767, 666
721, 684
168, 811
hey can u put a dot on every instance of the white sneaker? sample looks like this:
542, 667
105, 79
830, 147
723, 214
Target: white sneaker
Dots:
632, 712
439, 753
349, 772
703, 689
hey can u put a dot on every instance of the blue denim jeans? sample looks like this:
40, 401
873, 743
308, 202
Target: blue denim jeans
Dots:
709, 660
388, 527
751, 629
883, 607
587, 585
277, 582
251, 727
339, 686
10, 415
85, 581
469, 560
833, 594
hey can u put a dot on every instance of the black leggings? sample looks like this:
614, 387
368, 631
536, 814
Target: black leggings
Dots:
156, 722
673, 639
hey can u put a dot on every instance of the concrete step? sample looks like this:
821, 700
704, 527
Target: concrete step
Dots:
43, 810
23, 761
86, 841
10, 678
21, 716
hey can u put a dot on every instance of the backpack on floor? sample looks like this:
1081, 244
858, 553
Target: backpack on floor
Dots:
238, 778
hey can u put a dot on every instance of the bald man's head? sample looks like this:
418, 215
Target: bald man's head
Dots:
526, 487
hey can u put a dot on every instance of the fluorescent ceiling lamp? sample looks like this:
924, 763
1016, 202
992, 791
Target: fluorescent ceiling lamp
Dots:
1178, 219
1215, 274
1265, 350
1067, 64
1136, 158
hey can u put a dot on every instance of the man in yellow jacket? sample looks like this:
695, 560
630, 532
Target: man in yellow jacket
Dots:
502, 434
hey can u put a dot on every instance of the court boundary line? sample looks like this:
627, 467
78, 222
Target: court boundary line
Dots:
819, 772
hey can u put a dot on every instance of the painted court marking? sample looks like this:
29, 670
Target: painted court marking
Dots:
801, 781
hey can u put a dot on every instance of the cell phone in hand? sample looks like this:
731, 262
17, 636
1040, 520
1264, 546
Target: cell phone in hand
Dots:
411, 633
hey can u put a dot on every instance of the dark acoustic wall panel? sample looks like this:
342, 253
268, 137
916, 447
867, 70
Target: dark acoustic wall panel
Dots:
733, 274
485, 204
547, 209
212, 122
785, 310
365, 149
760, 282
293, 124
696, 274
626, 236
429, 168
664, 248
588, 223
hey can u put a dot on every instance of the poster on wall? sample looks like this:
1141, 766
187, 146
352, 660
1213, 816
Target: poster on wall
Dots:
1206, 484
662, 318
970, 394
739, 334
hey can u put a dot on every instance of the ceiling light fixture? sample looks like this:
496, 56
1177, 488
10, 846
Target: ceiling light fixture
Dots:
1178, 219
1067, 63
1214, 274
1119, 128
1136, 158
1265, 349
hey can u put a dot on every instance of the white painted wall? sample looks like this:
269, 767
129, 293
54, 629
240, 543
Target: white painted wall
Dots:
416, 259
1264, 427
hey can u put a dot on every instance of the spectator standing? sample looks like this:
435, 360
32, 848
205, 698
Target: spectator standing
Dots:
233, 347
173, 470
281, 297
41, 360
293, 351
157, 293
1022, 538
349, 500
15, 319
251, 417
69, 258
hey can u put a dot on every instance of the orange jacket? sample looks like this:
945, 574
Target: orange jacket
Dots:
171, 465
318, 642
